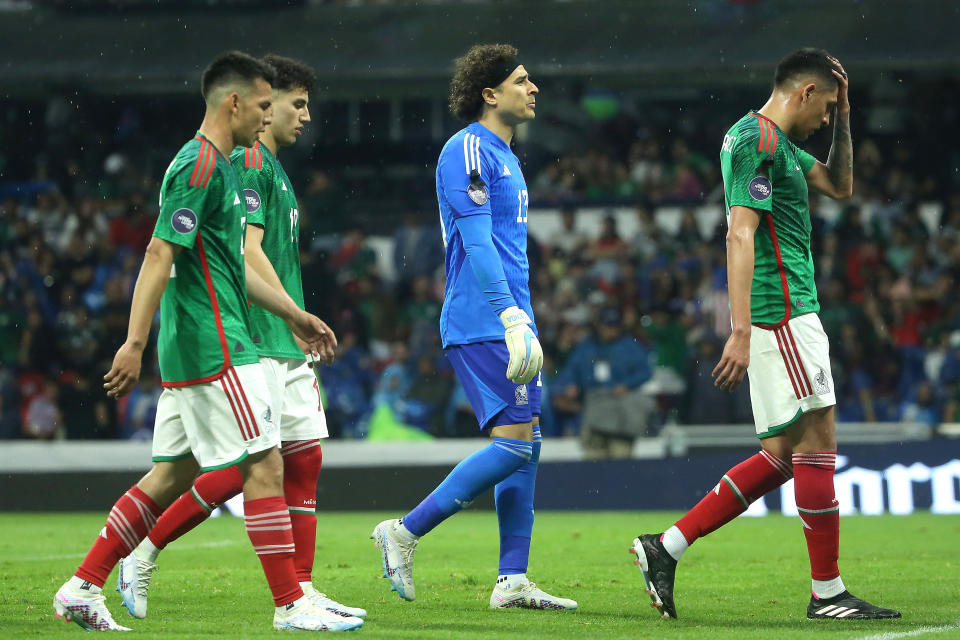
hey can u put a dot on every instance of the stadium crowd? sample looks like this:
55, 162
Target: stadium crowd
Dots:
640, 315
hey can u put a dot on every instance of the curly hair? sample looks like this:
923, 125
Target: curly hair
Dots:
291, 74
480, 68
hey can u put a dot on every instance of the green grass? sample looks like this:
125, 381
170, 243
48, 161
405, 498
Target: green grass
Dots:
748, 580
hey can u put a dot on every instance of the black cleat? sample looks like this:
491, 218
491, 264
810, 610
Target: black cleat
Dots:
659, 572
848, 607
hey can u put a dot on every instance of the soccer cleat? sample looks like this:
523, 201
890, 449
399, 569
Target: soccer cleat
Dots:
659, 572
324, 601
133, 581
847, 606
528, 596
304, 615
397, 558
86, 609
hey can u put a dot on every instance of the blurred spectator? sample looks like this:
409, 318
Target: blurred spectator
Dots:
44, 420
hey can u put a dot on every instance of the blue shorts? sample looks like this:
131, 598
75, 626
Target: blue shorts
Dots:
481, 368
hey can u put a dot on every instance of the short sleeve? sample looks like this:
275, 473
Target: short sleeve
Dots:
258, 194
750, 168
805, 160
184, 204
464, 176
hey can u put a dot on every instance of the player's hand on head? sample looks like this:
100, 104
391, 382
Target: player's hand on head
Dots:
730, 371
843, 86
526, 354
125, 372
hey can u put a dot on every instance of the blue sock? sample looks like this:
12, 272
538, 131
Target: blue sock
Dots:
470, 478
514, 497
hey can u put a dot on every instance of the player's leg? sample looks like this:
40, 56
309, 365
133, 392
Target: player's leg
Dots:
814, 460
81, 599
302, 426
514, 500
480, 369
776, 405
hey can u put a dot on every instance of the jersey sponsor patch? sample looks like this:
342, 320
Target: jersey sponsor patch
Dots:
760, 188
253, 200
183, 220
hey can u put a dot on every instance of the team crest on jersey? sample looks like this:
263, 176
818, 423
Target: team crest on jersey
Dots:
760, 188
183, 220
253, 200
521, 395
820, 384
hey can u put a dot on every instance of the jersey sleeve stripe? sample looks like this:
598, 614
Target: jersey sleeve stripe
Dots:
209, 169
247, 159
466, 152
201, 156
773, 144
476, 153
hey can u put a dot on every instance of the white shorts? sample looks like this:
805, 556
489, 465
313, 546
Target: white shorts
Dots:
220, 423
789, 373
295, 398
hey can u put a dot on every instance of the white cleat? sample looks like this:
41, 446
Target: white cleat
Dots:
133, 581
324, 601
528, 596
304, 615
397, 558
86, 609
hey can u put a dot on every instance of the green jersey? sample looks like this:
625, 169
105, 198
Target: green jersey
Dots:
270, 203
204, 326
763, 170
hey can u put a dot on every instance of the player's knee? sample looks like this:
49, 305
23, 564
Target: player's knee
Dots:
263, 471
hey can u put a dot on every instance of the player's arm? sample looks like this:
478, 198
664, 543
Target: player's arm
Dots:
306, 326
732, 367
526, 354
835, 178
151, 283
256, 259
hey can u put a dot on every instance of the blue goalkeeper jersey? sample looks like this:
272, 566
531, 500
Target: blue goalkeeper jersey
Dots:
478, 175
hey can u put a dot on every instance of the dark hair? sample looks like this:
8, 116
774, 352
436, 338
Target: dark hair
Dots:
480, 68
233, 66
806, 61
291, 74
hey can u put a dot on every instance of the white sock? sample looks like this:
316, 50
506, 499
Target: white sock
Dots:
307, 588
674, 542
404, 533
146, 550
77, 584
828, 588
512, 581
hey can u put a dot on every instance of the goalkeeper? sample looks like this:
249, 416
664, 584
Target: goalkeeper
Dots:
486, 324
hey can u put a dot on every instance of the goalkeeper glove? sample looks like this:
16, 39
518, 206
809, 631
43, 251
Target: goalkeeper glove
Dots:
526, 355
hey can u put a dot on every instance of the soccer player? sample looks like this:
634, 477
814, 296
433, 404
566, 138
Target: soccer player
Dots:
272, 249
214, 411
777, 337
486, 325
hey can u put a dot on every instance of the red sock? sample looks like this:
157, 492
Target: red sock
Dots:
129, 521
819, 511
268, 526
301, 468
743, 484
208, 492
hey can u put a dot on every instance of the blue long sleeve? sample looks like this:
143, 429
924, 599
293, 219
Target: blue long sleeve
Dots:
477, 235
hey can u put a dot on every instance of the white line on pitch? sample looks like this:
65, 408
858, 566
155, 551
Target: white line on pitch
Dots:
178, 547
919, 631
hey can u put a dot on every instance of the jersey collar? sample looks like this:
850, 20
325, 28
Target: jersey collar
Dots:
760, 116
480, 130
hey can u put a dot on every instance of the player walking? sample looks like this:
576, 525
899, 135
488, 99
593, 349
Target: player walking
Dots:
272, 249
486, 325
214, 411
777, 336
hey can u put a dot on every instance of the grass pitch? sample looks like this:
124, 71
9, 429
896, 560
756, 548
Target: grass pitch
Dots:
748, 580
